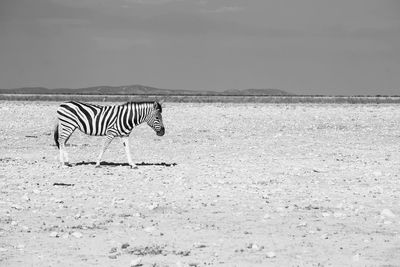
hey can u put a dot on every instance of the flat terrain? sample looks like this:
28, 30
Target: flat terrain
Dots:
248, 185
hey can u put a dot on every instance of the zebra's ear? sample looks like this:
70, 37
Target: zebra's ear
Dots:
157, 106
161, 103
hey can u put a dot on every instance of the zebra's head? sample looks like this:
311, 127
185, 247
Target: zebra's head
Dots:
154, 119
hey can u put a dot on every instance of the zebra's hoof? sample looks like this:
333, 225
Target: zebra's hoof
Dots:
133, 167
97, 166
66, 164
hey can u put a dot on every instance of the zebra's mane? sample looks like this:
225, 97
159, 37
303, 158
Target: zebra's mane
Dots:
159, 107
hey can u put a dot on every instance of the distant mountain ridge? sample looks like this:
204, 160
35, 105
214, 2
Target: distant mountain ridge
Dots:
139, 90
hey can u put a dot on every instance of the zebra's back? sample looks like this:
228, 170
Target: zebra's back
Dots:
89, 118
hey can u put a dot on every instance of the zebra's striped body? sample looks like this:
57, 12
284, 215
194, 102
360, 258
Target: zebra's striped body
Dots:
109, 121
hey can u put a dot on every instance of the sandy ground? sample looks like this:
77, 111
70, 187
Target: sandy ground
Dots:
253, 185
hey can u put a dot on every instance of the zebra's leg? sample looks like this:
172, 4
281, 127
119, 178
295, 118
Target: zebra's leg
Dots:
64, 134
106, 143
125, 142
64, 156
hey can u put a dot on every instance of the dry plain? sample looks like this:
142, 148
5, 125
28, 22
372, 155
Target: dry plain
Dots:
248, 185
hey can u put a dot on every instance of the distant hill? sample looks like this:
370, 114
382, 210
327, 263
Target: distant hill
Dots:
139, 90
256, 92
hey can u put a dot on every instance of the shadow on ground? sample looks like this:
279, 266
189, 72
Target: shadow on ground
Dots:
115, 164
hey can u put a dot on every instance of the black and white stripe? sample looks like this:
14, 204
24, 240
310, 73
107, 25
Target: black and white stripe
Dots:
109, 121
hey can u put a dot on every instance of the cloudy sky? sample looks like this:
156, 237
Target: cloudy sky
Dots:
302, 46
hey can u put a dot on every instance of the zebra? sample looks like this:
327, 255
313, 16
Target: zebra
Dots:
109, 121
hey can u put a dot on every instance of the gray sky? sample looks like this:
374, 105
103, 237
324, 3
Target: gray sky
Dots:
301, 46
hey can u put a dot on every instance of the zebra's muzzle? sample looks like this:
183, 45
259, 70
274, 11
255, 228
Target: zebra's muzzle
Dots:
161, 132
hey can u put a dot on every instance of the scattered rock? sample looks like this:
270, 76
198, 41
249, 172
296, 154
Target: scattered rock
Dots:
153, 206
356, 258
54, 234
199, 245
25, 197
77, 234
146, 250
113, 256
65, 236
125, 245
256, 247
16, 206
149, 229
182, 253
339, 215
388, 213
270, 254
136, 262
302, 224
116, 200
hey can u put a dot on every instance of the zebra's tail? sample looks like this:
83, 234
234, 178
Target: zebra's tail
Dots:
56, 136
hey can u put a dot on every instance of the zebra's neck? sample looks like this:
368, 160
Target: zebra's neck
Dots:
141, 111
